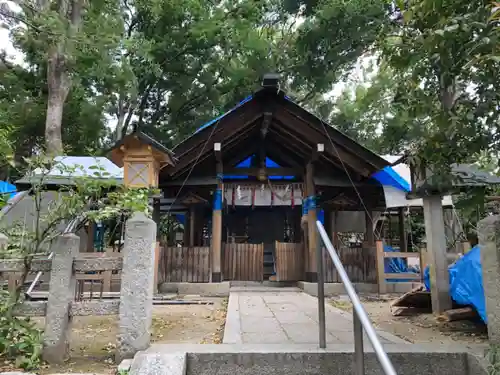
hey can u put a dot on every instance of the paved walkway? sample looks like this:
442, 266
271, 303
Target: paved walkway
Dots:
286, 316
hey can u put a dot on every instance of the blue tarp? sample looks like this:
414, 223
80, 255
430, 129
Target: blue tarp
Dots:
6, 188
466, 281
269, 164
206, 125
389, 177
396, 265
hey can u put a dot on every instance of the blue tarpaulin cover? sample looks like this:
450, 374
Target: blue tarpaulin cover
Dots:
466, 282
396, 265
6, 188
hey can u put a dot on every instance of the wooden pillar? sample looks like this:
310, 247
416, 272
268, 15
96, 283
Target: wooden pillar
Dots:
216, 244
192, 226
90, 237
369, 235
311, 272
403, 239
334, 235
187, 227
436, 254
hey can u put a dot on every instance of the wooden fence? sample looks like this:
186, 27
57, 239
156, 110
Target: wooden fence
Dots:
88, 283
184, 264
289, 260
243, 262
382, 276
359, 263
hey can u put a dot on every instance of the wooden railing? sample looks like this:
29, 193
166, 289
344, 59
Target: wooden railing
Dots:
88, 282
382, 276
81, 266
243, 262
184, 264
289, 260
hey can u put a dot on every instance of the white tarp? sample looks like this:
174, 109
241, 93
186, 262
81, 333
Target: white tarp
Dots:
397, 198
262, 195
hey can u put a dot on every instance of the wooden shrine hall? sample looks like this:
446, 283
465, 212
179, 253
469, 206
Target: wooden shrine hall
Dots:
249, 187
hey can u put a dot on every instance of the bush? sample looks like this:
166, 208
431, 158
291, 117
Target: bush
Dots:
20, 340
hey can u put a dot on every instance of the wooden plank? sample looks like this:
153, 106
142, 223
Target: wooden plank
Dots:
401, 255
288, 265
161, 265
460, 314
17, 265
382, 287
206, 264
402, 276
103, 263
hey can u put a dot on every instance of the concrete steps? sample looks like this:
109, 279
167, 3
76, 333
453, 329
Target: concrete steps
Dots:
223, 359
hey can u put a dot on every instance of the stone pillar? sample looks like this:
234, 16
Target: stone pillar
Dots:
436, 254
489, 241
61, 293
137, 286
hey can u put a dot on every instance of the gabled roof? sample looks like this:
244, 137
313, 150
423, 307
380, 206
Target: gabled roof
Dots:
143, 137
67, 168
293, 130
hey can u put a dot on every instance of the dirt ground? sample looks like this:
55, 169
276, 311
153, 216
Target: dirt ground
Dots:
418, 327
93, 338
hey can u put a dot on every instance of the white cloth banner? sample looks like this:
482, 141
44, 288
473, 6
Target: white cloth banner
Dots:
263, 195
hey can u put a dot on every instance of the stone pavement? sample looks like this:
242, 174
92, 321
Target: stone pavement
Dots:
286, 316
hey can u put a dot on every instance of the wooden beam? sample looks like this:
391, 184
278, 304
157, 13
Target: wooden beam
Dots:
307, 148
264, 128
218, 153
403, 240
317, 125
216, 245
312, 272
269, 171
241, 115
294, 124
226, 138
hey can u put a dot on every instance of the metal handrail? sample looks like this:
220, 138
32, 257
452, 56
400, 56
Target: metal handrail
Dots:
360, 317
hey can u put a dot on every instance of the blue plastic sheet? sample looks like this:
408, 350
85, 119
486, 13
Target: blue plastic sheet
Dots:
466, 281
6, 188
396, 265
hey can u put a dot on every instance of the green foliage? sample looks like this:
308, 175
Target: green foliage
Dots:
442, 57
20, 340
91, 197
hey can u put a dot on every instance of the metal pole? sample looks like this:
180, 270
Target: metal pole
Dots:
359, 355
356, 303
321, 293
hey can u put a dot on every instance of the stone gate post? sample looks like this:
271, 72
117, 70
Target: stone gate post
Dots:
137, 287
61, 293
489, 240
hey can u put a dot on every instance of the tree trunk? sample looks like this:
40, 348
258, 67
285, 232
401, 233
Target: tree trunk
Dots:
59, 85
58, 77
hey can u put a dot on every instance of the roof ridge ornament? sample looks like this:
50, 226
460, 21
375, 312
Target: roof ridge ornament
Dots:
271, 81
